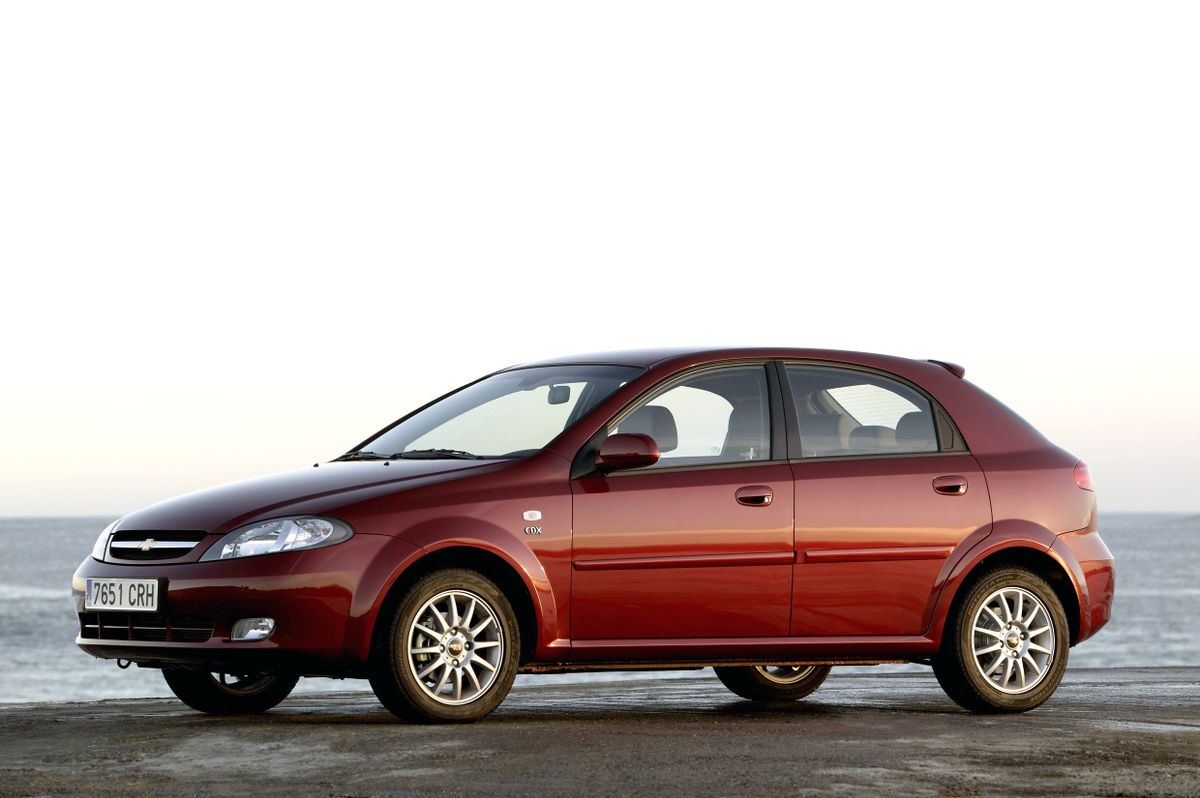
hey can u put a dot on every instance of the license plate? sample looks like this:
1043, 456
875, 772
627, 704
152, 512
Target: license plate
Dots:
130, 595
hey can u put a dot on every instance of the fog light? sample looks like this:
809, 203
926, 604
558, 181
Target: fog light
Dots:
253, 629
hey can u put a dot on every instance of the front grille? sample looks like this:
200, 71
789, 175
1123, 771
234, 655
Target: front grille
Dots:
167, 545
144, 626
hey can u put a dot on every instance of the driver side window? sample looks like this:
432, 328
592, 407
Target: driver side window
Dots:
715, 416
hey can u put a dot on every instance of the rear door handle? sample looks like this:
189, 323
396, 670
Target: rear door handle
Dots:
952, 485
754, 495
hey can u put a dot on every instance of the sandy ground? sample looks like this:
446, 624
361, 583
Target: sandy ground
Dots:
1106, 732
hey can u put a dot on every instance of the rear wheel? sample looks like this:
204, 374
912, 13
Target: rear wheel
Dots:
773, 682
227, 693
449, 651
1005, 648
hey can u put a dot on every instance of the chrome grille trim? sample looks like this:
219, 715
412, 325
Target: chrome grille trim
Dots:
139, 545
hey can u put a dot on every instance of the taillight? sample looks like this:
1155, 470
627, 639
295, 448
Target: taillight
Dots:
1083, 477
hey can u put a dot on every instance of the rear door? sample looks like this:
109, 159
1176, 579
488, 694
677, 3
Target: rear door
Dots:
885, 491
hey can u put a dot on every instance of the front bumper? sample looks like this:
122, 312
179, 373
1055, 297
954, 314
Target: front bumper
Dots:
322, 600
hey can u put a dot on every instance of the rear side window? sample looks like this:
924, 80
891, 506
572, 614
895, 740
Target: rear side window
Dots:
842, 412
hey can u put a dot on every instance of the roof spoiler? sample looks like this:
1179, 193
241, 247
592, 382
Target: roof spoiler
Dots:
953, 368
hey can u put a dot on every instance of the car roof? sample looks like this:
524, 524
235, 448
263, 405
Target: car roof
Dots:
647, 358
619, 357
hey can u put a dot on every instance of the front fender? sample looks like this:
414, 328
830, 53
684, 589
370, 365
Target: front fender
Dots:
431, 536
385, 568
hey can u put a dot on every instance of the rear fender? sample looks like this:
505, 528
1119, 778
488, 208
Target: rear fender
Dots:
1006, 534
1089, 564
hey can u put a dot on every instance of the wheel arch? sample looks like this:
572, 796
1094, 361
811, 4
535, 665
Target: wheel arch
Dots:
487, 563
1033, 558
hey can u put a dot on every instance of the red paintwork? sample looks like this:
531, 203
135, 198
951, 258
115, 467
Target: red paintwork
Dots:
682, 516
627, 450
856, 559
887, 507
1090, 566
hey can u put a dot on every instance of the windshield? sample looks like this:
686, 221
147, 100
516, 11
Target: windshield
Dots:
510, 414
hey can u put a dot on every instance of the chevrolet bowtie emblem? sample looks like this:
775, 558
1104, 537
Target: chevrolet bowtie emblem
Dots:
147, 544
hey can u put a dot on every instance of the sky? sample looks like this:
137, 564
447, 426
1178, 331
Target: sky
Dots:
237, 239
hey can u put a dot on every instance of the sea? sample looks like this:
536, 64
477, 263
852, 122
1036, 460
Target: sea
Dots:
1155, 614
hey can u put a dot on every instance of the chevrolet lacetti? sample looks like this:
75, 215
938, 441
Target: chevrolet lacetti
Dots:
766, 512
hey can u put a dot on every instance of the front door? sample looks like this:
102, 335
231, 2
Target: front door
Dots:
700, 544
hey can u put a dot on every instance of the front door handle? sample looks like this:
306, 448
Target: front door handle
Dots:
754, 495
952, 485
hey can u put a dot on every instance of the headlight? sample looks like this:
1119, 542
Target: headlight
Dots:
279, 534
101, 544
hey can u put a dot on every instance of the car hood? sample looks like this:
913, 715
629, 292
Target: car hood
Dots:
226, 507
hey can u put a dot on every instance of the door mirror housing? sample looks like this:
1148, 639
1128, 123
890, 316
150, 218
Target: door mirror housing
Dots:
626, 450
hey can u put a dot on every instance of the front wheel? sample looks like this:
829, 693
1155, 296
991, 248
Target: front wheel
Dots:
773, 682
227, 693
449, 651
1005, 647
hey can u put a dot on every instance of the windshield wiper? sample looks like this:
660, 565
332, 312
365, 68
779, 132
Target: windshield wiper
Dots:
362, 455
414, 454
437, 454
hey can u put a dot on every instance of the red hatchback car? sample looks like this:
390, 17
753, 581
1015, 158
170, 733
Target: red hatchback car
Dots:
767, 512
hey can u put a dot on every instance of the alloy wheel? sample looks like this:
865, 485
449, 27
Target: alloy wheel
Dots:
455, 647
1012, 640
785, 674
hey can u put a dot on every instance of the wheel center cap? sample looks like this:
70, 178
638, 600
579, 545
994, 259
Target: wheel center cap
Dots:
1014, 640
455, 647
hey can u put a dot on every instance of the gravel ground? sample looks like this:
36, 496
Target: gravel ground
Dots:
1106, 732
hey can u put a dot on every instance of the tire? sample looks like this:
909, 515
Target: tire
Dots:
773, 683
448, 652
1002, 652
229, 694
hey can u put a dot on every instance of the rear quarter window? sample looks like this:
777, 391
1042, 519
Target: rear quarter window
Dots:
845, 412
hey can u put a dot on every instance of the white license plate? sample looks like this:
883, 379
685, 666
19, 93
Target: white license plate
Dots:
131, 595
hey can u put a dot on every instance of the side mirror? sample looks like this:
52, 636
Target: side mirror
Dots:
626, 450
